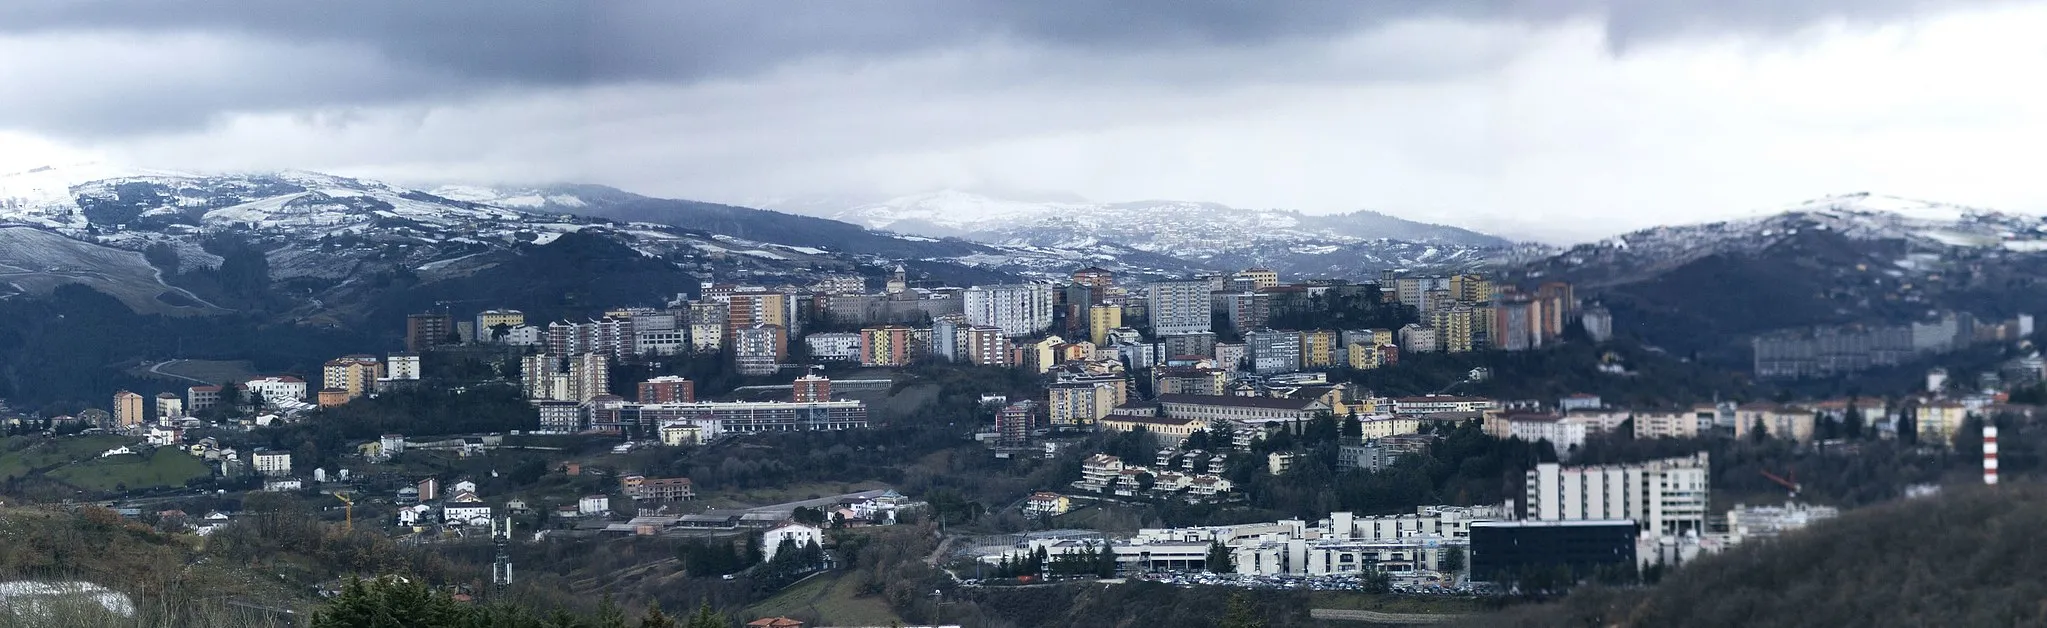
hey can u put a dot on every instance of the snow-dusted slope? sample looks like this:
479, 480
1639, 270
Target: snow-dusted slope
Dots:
43, 196
1213, 234
1919, 228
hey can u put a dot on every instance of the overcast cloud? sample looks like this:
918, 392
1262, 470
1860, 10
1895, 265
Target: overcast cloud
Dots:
1551, 119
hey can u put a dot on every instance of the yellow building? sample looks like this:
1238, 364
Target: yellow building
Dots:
127, 409
1453, 328
355, 374
1259, 278
1386, 426
1794, 424
1318, 348
1471, 288
1372, 355
488, 320
1083, 403
747, 309
1042, 355
1168, 430
681, 434
1939, 422
1101, 319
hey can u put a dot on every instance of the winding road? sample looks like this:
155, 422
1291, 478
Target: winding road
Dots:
154, 369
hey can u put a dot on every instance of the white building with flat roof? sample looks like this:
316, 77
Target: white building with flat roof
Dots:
1665, 497
1019, 309
1178, 307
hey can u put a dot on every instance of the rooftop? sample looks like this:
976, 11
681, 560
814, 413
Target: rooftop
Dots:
1274, 403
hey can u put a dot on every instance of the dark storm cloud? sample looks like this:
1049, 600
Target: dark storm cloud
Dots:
560, 41
338, 54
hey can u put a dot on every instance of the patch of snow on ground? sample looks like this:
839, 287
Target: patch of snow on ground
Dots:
1951, 238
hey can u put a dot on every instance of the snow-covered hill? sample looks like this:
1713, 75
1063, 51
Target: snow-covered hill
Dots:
1209, 234
1924, 232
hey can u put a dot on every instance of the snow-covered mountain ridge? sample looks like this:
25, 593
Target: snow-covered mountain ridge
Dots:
1355, 245
1921, 228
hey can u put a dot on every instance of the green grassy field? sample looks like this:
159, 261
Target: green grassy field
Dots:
163, 467
830, 598
46, 453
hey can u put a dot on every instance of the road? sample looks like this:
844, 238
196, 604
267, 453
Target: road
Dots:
1376, 617
153, 369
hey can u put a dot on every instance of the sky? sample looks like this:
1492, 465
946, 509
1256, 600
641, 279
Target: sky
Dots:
1551, 120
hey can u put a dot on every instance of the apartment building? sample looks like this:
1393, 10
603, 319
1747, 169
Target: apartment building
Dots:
988, 345
1454, 329
1189, 380
202, 398
1075, 403
668, 389
658, 489
1178, 307
746, 310
1663, 497
1784, 422
356, 375
1418, 339
888, 345
811, 388
1014, 423
1365, 356
270, 463
1248, 310
1017, 309
425, 331
760, 349
1274, 351
128, 410
169, 406
1321, 349
1102, 319
833, 347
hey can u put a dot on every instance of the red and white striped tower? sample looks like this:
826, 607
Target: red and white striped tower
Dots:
1990, 455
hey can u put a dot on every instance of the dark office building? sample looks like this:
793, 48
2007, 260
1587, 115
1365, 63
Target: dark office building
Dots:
1502, 549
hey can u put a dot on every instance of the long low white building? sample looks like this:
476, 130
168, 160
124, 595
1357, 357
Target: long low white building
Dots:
1343, 543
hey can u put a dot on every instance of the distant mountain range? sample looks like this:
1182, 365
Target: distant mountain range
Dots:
338, 249
1356, 244
1851, 258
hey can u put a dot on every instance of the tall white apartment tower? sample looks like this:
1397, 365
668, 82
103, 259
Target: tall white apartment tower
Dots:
1178, 307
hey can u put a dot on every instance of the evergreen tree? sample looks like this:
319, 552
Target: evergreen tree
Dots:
1105, 561
707, 618
1853, 425
390, 601
608, 614
1453, 559
1758, 432
1238, 614
1219, 558
655, 618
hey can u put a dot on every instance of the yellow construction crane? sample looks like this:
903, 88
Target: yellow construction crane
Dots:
350, 507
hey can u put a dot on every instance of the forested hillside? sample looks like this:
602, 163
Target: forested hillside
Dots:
1970, 557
